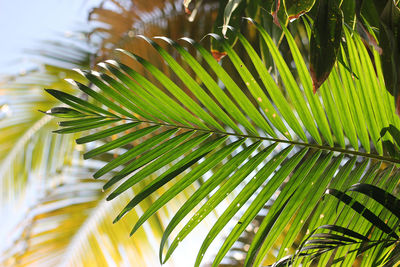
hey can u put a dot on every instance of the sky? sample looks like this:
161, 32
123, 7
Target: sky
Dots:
25, 23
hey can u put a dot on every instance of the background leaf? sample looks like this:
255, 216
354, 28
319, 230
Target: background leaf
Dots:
296, 8
325, 41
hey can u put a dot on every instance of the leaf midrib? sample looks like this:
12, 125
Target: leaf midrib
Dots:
296, 143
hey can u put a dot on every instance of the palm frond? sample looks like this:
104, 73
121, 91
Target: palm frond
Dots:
249, 142
378, 238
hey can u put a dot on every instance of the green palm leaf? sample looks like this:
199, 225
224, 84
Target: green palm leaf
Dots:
250, 141
378, 238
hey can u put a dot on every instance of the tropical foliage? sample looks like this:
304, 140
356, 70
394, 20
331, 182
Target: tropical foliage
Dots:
250, 140
36, 162
318, 242
175, 137
330, 17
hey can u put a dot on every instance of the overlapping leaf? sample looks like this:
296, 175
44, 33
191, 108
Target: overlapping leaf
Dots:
251, 143
374, 234
325, 40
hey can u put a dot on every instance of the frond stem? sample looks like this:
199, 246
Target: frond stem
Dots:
296, 143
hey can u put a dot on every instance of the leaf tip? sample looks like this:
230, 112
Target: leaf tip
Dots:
102, 65
71, 81
107, 185
317, 82
315, 87
78, 71
133, 230
111, 62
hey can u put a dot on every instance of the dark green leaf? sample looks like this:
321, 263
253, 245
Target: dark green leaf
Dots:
324, 242
389, 35
325, 41
349, 12
363, 211
383, 197
334, 237
393, 131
